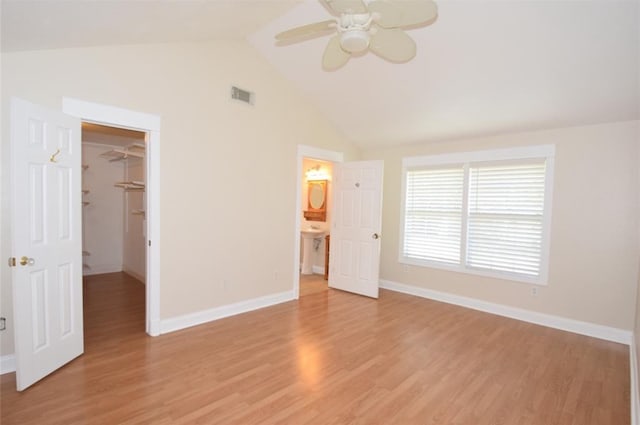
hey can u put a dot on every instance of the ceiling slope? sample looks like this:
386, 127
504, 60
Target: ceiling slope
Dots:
52, 24
484, 67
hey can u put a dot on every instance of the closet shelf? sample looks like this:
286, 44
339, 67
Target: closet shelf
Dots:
121, 154
137, 147
132, 185
137, 212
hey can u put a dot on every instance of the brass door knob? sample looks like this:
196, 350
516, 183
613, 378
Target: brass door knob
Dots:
27, 261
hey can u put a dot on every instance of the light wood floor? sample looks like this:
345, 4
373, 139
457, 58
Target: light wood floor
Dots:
312, 284
329, 358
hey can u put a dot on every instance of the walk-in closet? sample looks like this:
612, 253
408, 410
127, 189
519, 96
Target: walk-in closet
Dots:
114, 202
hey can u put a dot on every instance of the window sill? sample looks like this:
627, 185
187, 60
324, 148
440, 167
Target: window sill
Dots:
533, 280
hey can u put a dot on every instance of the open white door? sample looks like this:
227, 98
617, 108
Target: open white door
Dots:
355, 229
46, 234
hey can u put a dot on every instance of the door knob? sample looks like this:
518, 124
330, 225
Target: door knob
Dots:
27, 261
375, 236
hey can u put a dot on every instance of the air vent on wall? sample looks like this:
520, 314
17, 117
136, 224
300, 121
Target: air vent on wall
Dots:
243, 95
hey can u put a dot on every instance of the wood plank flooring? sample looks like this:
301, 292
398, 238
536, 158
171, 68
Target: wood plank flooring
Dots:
312, 284
329, 358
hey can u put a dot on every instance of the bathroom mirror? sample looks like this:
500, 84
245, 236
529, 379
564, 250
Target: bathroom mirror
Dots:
317, 196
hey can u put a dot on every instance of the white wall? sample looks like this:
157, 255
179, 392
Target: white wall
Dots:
593, 274
134, 249
103, 219
224, 164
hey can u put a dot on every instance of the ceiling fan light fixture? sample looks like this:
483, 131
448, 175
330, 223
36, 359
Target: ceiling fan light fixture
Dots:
367, 25
354, 41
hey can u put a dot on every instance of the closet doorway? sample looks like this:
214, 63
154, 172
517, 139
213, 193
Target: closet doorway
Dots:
113, 116
114, 217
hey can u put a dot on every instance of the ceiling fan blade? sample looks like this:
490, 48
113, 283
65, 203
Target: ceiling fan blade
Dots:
347, 6
393, 44
389, 15
334, 56
404, 13
306, 30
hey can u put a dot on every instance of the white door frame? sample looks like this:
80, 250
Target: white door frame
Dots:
114, 116
305, 151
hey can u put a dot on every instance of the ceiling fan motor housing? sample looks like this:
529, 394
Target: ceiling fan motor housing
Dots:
354, 41
354, 30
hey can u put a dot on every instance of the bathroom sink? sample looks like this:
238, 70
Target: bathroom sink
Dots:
308, 237
312, 233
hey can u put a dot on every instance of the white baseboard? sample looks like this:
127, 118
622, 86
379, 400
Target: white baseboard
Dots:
200, 317
315, 269
633, 368
154, 328
621, 336
101, 269
135, 275
7, 364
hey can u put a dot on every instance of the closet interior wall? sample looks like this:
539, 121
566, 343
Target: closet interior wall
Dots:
102, 211
134, 237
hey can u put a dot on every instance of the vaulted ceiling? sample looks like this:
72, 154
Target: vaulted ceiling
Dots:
52, 24
484, 67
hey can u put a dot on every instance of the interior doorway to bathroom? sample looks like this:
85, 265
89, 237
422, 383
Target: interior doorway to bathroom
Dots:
313, 219
315, 229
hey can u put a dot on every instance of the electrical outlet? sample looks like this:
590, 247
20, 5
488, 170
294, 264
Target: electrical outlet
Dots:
534, 291
3, 323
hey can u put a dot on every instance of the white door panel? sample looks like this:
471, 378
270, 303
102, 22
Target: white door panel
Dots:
46, 226
355, 230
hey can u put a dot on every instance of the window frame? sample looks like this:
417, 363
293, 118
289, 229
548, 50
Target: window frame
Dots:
546, 152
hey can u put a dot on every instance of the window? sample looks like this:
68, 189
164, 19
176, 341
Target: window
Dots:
480, 212
433, 218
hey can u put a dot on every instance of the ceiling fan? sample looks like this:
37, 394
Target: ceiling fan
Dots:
376, 25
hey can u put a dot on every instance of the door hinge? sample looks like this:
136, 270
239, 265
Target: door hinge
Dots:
12, 261
149, 242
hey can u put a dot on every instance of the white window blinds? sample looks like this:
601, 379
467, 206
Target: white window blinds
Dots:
483, 212
433, 214
506, 208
